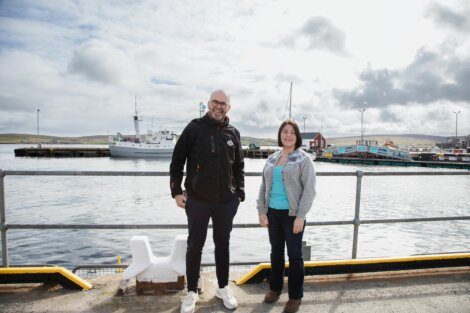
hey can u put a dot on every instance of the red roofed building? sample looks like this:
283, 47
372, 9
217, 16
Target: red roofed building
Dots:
313, 141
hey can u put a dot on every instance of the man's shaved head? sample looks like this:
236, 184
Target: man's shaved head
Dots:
220, 93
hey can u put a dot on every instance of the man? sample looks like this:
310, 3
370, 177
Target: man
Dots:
214, 188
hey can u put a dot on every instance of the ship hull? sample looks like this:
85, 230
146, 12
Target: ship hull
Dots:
139, 152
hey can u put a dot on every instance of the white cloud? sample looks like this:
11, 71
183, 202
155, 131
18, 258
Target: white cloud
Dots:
83, 62
455, 18
101, 62
318, 33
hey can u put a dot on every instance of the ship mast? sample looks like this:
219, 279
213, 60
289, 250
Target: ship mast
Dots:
290, 101
136, 122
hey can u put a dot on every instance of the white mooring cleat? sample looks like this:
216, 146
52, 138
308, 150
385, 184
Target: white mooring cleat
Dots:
227, 296
146, 267
189, 303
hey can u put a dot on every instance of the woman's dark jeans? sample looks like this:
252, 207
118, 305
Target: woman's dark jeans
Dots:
199, 214
281, 234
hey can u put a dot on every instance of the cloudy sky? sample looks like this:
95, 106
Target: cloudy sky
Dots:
82, 62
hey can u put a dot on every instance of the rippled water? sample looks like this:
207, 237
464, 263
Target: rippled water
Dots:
74, 200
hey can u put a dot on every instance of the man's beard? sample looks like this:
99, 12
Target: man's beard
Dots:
213, 116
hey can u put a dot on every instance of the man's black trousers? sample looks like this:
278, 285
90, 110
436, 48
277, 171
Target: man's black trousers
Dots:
198, 214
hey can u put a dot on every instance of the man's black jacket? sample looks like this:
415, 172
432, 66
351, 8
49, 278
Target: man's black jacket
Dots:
215, 166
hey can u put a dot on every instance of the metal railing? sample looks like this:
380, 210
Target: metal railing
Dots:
356, 220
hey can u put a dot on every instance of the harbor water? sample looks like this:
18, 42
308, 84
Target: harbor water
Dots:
147, 200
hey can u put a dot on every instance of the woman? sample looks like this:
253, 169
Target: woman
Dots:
285, 197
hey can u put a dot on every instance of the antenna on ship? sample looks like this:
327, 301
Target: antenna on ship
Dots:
135, 105
136, 122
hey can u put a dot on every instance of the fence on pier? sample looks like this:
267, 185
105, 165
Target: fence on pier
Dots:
356, 221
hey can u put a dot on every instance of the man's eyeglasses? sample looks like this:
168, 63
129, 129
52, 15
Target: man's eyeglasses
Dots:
222, 104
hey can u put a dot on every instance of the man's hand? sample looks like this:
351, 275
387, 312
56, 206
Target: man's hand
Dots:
298, 225
180, 201
263, 220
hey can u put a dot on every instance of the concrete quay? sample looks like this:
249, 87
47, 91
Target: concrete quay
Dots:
87, 152
62, 152
434, 290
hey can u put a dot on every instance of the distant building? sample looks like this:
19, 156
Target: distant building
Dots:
313, 141
462, 142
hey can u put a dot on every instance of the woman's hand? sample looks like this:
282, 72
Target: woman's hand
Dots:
298, 225
263, 220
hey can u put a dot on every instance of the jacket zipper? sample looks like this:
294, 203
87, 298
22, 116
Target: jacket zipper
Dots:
218, 161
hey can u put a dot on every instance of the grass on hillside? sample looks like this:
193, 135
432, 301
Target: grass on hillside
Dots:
103, 139
32, 139
98, 140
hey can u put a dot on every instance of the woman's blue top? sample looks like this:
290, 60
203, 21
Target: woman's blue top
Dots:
278, 197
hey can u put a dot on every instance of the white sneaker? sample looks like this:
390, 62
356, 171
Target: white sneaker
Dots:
227, 296
189, 303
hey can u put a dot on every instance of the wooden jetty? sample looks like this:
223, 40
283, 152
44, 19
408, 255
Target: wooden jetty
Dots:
77, 152
257, 153
62, 152
442, 164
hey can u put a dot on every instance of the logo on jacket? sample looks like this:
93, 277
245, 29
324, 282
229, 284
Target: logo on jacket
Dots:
230, 143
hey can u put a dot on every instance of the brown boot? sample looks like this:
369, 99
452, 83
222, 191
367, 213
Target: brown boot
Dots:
292, 306
271, 296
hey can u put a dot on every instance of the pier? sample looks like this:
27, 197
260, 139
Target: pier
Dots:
79, 152
92, 152
257, 153
386, 162
431, 291
62, 152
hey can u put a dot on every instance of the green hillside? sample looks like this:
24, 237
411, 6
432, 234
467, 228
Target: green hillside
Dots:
410, 139
261, 141
90, 140
33, 139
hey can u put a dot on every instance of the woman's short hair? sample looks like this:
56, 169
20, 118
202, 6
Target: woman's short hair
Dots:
298, 138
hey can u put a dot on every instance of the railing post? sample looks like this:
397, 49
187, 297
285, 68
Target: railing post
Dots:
306, 251
357, 211
3, 221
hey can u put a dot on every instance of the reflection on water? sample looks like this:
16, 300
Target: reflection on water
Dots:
142, 200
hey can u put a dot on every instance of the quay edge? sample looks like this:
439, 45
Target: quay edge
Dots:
431, 291
69, 152
62, 152
386, 162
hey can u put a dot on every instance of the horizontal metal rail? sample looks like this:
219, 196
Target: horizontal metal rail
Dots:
244, 225
415, 220
156, 173
4, 226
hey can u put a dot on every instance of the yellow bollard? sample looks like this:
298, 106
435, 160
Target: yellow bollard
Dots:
119, 270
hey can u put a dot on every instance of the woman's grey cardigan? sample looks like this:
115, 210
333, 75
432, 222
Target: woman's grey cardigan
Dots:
299, 179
